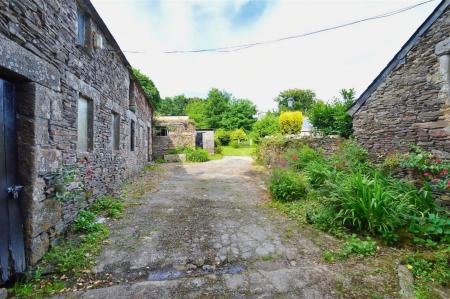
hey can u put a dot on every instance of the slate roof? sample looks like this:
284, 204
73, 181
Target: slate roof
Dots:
400, 57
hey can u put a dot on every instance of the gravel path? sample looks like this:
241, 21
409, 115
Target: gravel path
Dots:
203, 231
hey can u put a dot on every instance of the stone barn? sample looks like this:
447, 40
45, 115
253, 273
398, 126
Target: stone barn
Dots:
74, 122
171, 132
409, 102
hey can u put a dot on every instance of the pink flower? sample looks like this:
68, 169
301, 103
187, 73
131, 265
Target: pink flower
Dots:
294, 157
426, 174
435, 181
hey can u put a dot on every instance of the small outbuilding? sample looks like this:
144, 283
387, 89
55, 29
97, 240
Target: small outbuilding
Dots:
171, 132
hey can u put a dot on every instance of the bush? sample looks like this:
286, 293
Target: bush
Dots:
331, 118
222, 137
359, 247
318, 172
266, 126
286, 185
197, 155
298, 159
291, 122
238, 136
218, 150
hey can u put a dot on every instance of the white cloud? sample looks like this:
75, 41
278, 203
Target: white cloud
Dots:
348, 57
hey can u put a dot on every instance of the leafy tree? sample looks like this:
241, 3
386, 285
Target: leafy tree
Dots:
302, 100
291, 122
238, 135
332, 118
239, 114
222, 137
266, 126
172, 105
196, 110
217, 104
151, 92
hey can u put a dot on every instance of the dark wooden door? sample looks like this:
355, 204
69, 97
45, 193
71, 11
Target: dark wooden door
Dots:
199, 139
12, 255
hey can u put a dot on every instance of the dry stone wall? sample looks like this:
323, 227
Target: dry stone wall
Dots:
180, 133
412, 105
39, 53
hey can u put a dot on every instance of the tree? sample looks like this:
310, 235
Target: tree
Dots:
239, 114
296, 100
291, 122
196, 110
217, 104
151, 92
266, 126
332, 118
172, 105
238, 136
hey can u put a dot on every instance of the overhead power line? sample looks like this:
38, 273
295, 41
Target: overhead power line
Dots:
250, 45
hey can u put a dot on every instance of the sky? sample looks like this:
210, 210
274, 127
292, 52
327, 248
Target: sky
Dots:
349, 57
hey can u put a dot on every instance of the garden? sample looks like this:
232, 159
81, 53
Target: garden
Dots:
368, 204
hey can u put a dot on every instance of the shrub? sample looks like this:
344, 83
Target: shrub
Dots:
362, 248
197, 155
266, 126
286, 185
222, 137
291, 122
331, 118
218, 150
298, 159
368, 203
432, 229
238, 136
318, 172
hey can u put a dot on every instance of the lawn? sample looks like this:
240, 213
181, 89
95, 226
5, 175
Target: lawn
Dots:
241, 151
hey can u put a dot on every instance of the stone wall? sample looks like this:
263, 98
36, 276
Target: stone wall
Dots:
273, 153
412, 105
180, 133
38, 52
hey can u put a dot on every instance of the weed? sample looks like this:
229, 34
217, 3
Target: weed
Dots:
85, 222
109, 206
286, 185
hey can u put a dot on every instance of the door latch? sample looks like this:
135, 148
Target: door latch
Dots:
14, 191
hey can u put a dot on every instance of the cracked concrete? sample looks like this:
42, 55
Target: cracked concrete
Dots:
204, 232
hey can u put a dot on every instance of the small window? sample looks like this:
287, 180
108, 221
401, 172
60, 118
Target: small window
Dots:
81, 27
161, 131
131, 96
85, 125
115, 131
132, 135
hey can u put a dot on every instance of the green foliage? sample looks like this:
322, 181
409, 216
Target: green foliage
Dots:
332, 118
286, 185
196, 110
299, 159
108, 206
266, 126
151, 92
431, 229
302, 100
435, 172
217, 103
85, 222
370, 204
239, 114
222, 137
291, 122
172, 106
238, 136
361, 248
197, 155
318, 171
429, 270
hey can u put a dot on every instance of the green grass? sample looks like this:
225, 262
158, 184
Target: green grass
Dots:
215, 157
240, 151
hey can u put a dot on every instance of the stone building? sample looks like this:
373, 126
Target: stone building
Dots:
171, 132
178, 131
74, 119
409, 102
